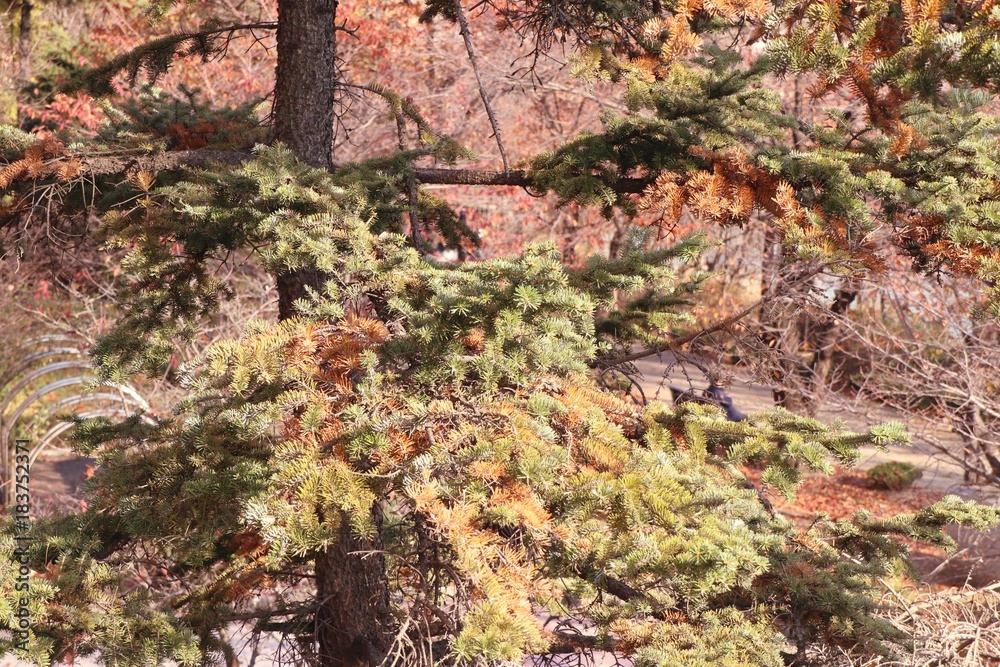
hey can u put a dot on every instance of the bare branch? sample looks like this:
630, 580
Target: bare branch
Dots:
464, 29
673, 343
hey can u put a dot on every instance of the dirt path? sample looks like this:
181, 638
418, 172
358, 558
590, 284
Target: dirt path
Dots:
939, 474
977, 558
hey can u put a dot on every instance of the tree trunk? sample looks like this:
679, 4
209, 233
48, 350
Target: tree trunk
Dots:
306, 79
292, 287
353, 622
352, 593
24, 43
304, 101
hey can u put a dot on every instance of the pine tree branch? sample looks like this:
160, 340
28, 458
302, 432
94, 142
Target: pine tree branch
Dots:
434, 176
109, 164
619, 588
301, 610
517, 177
154, 57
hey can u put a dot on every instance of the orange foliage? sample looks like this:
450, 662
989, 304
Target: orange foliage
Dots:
183, 137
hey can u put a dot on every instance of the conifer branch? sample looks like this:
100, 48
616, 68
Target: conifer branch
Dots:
109, 164
264, 614
155, 57
517, 177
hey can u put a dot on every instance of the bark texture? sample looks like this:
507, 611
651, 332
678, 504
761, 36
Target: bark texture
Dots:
353, 623
306, 79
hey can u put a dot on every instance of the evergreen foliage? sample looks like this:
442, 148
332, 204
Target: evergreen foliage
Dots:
921, 160
448, 414
451, 409
894, 475
153, 59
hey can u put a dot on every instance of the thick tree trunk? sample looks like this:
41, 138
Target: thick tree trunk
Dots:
353, 623
780, 327
304, 101
292, 287
352, 620
306, 79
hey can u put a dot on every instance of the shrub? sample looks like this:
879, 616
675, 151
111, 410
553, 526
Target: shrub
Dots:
894, 475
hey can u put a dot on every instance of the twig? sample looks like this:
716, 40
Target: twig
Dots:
680, 341
464, 29
411, 186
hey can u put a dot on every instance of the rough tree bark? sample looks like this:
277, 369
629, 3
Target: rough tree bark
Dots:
306, 79
352, 617
353, 621
304, 103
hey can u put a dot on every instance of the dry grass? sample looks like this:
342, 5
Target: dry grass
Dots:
954, 628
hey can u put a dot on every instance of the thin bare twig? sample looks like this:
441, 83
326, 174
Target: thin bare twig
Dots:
464, 29
674, 343
411, 187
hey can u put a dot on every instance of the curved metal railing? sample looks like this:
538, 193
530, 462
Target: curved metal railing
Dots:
50, 377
